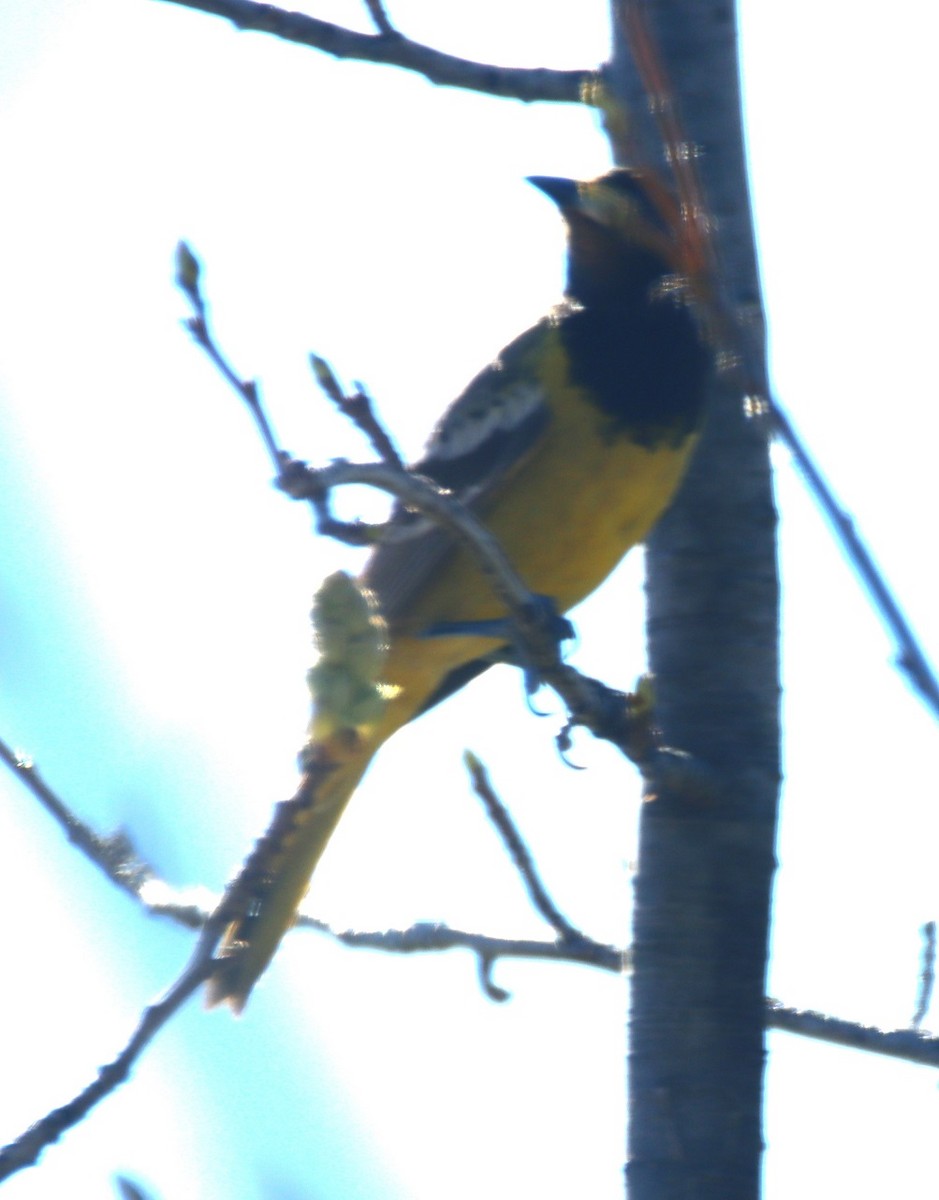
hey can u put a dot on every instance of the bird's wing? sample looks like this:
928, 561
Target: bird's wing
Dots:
481, 440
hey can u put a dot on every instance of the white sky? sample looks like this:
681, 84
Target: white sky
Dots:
154, 600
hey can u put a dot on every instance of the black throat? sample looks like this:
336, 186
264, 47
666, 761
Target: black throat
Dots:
635, 347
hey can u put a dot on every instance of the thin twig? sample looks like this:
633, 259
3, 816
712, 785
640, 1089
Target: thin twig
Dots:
136, 878
910, 657
188, 279
927, 974
909, 1044
25, 1150
130, 1190
301, 482
517, 850
114, 855
359, 409
515, 83
430, 937
376, 10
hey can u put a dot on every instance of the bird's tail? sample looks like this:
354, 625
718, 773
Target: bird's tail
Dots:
354, 712
365, 686
276, 875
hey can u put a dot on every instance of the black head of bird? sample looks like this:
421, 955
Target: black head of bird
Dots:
618, 239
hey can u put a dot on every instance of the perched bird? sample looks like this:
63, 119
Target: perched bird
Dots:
568, 447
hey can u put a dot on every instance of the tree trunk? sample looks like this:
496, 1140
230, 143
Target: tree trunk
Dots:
701, 918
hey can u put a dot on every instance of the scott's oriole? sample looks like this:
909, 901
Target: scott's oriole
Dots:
569, 447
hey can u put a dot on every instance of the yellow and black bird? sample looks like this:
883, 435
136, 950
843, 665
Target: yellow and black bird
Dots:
568, 447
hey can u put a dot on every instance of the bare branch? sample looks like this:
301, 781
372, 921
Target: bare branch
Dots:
114, 854
25, 1150
381, 20
927, 974
518, 852
135, 877
433, 937
910, 658
909, 1044
301, 482
358, 408
393, 49
188, 276
193, 907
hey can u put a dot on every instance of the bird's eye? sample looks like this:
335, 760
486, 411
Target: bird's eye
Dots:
607, 206
622, 206
618, 202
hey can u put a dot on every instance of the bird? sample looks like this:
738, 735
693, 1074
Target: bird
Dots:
568, 446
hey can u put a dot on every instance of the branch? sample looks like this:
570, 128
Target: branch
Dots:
927, 974
518, 852
188, 272
909, 1044
426, 937
135, 877
910, 658
113, 854
192, 908
25, 1150
393, 49
380, 18
433, 937
117, 859
358, 408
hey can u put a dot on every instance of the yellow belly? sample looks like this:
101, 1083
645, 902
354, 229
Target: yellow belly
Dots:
569, 514
565, 519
